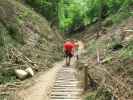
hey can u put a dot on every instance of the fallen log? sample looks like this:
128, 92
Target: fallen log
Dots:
30, 71
21, 74
129, 30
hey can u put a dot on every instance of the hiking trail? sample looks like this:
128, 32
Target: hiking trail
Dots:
67, 86
59, 83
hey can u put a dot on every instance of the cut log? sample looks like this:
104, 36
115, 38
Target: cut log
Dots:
130, 30
21, 74
30, 71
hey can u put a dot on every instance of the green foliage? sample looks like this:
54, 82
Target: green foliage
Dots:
118, 17
100, 94
5, 42
7, 76
48, 8
3, 31
74, 13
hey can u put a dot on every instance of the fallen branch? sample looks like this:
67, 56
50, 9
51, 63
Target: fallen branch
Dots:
130, 30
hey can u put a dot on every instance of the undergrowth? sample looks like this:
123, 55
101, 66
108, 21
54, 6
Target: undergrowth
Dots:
7, 76
116, 56
101, 94
127, 51
25, 33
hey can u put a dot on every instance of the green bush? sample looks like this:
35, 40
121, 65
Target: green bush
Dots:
7, 76
48, 8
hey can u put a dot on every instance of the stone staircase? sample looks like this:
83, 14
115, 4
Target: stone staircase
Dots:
67, 86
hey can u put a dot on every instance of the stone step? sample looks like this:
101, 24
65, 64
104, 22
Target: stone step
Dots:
70, 94
66, 76
59, 81
66, 79
67, 90
66, 72
66, 93
65, 97
62, 80
66, 86
70, 82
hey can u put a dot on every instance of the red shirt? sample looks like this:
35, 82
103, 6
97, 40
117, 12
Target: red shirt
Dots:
69, 46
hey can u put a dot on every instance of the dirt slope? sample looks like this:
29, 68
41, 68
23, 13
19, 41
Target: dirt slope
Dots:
26, 40
114, 74
28, 34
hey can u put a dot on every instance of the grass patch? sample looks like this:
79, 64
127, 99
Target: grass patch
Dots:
127, 51
120, 16
7, 76
117, 18
100, 94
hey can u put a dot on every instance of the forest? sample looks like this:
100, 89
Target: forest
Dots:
32, 54
72, 14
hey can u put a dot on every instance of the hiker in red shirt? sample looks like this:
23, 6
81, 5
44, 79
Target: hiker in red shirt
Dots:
69, 51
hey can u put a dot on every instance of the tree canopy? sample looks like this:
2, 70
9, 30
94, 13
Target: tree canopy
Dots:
75, 13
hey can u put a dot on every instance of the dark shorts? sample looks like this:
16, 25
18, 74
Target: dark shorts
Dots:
68, 54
